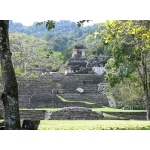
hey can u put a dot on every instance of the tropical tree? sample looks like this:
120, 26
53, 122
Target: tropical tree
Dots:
129, 44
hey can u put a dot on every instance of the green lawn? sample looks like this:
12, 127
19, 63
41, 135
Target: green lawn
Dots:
104, 109
93, 125
111, 122
108, 109
70, 101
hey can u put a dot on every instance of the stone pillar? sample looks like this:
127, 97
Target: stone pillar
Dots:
74, 53
83, 53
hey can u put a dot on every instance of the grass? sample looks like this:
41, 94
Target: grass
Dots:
104, 109
93, 125
69, 101
113, 117
108, 109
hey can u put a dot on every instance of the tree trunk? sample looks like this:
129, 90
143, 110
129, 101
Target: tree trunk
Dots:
147, 107
145, 82
148, 113
9, 96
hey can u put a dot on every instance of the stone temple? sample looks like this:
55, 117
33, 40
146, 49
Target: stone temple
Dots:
78, 61
79, 64
78, 51
62, 88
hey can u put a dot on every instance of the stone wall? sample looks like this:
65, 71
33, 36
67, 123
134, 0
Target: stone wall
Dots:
67, 113
38, 93
28, 114
129, 115
84, 100
73, 114
32, 114
97, 99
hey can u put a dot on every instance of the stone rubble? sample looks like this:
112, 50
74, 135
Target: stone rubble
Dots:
74, 113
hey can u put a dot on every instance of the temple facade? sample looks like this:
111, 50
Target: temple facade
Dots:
78, 51
78, 60
79, 64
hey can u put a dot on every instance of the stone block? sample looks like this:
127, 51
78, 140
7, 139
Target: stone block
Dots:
30, 124
80, 90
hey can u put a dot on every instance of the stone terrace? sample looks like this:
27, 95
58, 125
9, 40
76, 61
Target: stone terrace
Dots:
37, 93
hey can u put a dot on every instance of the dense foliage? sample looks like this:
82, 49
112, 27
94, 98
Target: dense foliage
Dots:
29, 52
129, 44
31, 44
63, 37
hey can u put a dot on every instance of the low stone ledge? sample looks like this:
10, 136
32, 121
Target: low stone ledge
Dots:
129, 115
32, 114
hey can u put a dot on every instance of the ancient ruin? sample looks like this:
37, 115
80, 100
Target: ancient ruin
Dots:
45, 92
74, 113
79, 64
80, 85
78, 61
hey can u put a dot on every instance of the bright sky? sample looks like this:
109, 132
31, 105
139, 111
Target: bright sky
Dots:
30, 22
29, 11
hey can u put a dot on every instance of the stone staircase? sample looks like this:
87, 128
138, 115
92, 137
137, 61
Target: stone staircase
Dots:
37, 93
